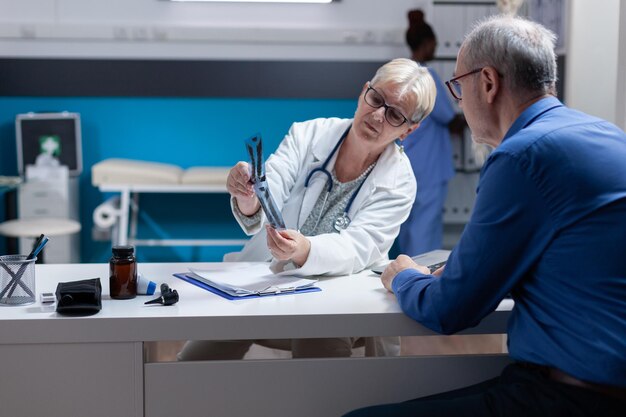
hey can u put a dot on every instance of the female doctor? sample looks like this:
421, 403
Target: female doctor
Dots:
343, 186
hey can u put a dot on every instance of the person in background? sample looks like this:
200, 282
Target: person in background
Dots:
430, 152
343, 187
548, 227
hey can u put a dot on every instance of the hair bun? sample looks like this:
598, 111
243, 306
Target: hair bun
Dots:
416, 17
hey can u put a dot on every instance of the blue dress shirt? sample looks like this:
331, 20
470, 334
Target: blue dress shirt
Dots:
549, 226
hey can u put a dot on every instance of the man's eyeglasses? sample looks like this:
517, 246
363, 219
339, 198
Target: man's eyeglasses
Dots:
394, 116
455, 87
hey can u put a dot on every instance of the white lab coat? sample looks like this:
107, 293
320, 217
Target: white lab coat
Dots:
380, 207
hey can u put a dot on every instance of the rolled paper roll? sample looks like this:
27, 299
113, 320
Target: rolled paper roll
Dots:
105, 215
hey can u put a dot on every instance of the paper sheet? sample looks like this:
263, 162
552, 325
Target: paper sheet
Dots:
248, 278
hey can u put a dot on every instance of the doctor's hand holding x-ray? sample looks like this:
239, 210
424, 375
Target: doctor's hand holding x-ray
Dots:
288, 245
284, 245
241, 188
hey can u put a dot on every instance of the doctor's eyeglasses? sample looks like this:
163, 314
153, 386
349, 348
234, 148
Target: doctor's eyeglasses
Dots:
394, 117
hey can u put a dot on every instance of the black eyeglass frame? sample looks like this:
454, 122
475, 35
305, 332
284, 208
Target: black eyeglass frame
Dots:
386, 106
455, 81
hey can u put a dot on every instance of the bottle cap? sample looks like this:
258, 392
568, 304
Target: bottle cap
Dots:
123, 250
145, 286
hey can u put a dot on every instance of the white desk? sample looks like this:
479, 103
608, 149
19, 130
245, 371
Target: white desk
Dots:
94, 365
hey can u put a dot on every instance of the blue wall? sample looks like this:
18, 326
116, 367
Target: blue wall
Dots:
181, 131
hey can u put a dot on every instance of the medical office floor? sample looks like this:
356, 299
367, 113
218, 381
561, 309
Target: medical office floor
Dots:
410, 346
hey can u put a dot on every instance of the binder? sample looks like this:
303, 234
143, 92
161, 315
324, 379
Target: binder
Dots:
190, 279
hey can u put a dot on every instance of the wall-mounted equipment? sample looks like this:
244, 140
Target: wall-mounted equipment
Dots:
57, 134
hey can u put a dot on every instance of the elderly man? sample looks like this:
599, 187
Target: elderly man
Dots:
548, 227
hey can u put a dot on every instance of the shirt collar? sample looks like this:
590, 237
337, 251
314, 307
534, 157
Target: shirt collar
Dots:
531, 113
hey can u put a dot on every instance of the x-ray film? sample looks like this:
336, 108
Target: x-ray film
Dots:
254, 146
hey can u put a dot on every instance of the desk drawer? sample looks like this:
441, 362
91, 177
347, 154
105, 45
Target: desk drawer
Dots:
72, 379
305, 387
43, 203
33, 210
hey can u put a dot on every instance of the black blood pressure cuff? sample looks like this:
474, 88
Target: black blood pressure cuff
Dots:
79, 298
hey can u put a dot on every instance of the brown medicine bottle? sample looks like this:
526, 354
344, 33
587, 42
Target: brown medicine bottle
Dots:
123, 273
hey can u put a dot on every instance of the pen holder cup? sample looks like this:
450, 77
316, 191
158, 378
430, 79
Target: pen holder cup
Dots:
17, 280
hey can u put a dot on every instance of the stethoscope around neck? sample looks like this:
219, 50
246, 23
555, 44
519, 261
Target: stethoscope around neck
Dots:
342, 221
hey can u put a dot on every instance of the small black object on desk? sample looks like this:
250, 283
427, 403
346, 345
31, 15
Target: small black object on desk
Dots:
79, 298
168, 296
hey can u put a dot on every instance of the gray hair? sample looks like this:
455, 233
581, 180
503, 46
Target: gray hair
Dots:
411, 78
522, 51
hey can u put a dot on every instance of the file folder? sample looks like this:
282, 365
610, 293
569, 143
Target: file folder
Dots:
189, 278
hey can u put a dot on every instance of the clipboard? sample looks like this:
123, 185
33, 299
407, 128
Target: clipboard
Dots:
227, 296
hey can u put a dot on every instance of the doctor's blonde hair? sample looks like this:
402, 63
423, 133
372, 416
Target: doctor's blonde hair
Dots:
412, 78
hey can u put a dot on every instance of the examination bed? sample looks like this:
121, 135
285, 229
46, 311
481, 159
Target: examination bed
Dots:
129, 178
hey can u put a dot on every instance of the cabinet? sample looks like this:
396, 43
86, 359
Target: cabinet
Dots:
51, 196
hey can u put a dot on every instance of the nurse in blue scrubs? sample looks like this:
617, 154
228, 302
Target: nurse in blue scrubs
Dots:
430, 152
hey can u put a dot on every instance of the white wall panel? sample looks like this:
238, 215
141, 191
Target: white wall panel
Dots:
348, 30
345, 13
27, 10
592, 58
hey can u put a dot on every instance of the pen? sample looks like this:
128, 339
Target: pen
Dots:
42, 242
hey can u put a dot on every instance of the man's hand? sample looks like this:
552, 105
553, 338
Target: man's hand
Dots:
288, 245
239, 186
438, 271
401, 263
